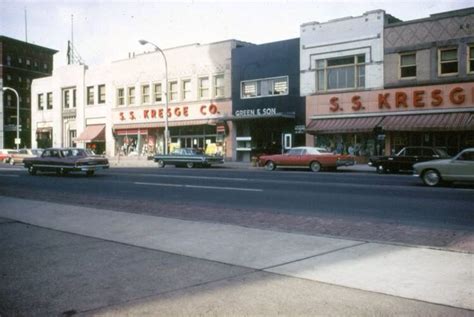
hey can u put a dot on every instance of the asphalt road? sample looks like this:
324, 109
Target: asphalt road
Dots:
357, 205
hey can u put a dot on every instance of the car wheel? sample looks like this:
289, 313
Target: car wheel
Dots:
315, 167
89, 173
32, 170
161, 164
270, 166
431, 178
189, 164
381, 169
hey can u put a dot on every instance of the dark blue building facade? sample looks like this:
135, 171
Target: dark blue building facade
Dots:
268, 114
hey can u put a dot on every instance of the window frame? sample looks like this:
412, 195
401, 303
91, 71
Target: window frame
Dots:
101, 94
157, 93
202, 89
89, 95
258, 82
186, 93
325, 70
145, 96
400, 56
171, 84
440, 50
40, 102
131, 98
216, 88
470, 58
120, 97
49, 100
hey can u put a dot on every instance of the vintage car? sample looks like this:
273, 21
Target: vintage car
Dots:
404, 160
65, 160
187, 157
460, 168
5, 155
313, 158
21, 154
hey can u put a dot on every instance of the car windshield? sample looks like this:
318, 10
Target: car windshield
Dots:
442, 152
74, 153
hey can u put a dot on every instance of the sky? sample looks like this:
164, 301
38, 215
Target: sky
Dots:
105, 31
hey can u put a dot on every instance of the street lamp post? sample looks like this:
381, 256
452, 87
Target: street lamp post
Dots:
17, 115
143, 42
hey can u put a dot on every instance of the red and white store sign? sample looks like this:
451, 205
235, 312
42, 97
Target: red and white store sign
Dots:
175, 113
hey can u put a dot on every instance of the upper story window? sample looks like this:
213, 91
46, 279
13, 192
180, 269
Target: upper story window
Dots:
28, 62
9, 60
49, 100
40, 101
146, 94
186, 85
341, 73
470, 56
408, 65
158, 92
219, 86
131, 95
120, 97
90, 95
45, 66
9, 100
203, 87
20, 60
264, 87
101, 93
66, 98
173, 90
448, 61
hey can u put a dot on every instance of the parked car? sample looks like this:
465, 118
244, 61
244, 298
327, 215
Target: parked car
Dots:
405, 159
313, 158
187, 157
5, 155
21, 154
65, 160
460, 168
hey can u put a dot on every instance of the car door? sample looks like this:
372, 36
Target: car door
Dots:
412, 156
461, 168
291, 158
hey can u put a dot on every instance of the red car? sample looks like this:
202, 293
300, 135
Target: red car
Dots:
5, 155
313, 158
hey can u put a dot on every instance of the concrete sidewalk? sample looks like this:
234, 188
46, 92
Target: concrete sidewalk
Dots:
428, 275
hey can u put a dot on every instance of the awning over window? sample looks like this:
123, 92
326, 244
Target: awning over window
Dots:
92, 133
343, 125
430, 122
150, 125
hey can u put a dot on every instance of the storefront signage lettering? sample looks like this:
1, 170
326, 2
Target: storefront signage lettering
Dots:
173, 112
255, 112
418, 98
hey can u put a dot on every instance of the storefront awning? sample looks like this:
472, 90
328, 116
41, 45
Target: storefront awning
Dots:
343, 125
44, 130
430, 122
92, 133
152, 125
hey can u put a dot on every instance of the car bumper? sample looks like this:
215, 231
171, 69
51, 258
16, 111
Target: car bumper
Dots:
85, 168
345, 162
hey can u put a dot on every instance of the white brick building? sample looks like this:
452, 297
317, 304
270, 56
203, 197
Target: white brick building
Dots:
119, 107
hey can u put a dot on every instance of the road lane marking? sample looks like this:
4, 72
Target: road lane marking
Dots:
9, 175
11, 169
200, 186
185, 176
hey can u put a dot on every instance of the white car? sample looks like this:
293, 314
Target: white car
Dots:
460, 168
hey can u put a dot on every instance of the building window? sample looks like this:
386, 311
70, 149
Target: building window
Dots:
90, 95
186, 89
120, 97
36, 64
45, 66
341, 73
204, 88
20, 79
40, 102
101, 92
72, 137
264, 87
158, 93
74, 98
448, 61
9, 60
49, 100
470, 56
20, 60
9, 77
219, 86
146, 94
66, 99
28, 63
408, 65
9, 100
28, 82
173, 90
131, 95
